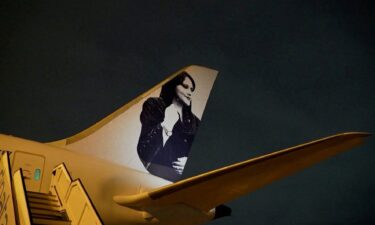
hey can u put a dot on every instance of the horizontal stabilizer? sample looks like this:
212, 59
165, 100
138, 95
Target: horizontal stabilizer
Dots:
208, 190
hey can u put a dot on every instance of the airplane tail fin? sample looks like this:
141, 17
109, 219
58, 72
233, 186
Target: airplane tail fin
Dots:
154, 132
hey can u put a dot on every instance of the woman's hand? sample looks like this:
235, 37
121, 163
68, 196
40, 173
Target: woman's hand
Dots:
171, 116
179, 165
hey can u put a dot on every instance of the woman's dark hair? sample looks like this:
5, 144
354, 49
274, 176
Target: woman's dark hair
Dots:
168, 91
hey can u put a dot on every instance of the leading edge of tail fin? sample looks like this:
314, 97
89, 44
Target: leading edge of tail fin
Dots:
153, 132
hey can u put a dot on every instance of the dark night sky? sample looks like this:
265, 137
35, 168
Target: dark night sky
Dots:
290, 72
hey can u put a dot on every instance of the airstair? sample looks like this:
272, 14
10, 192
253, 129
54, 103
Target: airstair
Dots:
67, 202
45, 209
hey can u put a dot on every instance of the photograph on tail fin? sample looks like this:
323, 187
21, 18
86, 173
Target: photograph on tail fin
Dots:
154, 132
168, 128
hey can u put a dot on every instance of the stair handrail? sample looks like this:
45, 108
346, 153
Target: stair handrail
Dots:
60, 183
67, 190
87, 213
7, 208
23, 208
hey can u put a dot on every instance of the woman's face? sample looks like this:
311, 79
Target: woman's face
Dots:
184, 90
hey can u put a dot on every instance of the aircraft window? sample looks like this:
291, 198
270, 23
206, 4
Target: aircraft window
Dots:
37, 173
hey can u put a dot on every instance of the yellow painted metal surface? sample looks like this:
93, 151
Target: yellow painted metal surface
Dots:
7, 211
74, 198
20, 193
30, 164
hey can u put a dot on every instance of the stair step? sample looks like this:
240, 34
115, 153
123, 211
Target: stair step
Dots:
44, 206
41, 221
47, 212
41, 195
44, 201
52, 217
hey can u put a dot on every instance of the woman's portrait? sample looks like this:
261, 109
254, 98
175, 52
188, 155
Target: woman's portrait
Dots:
168, 128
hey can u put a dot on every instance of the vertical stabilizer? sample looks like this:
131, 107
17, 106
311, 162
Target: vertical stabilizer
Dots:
154, 132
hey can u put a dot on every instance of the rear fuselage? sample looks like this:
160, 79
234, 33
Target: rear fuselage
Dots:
102, 179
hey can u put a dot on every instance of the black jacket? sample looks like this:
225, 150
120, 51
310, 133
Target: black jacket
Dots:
157, 158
